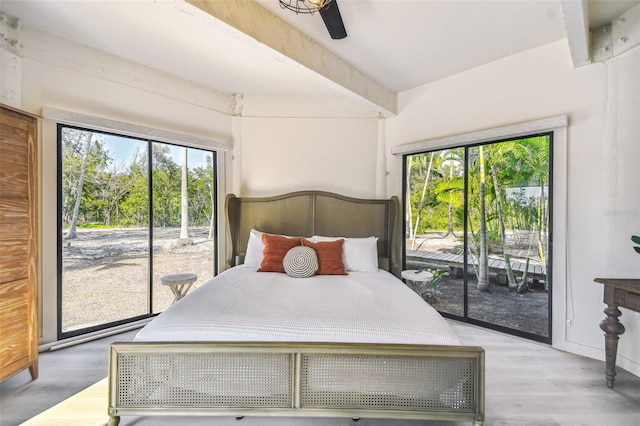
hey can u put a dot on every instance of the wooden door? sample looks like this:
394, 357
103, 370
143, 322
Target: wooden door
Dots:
18, 243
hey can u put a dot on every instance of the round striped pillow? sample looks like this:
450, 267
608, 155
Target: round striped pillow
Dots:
300, 262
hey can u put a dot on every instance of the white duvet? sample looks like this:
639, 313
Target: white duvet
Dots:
241, 304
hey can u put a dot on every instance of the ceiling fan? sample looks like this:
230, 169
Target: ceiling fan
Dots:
328, 9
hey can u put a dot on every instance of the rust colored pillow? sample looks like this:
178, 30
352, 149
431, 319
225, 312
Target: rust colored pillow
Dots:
275, 248
329, 256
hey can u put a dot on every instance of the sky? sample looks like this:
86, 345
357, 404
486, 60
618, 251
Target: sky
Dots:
121, 150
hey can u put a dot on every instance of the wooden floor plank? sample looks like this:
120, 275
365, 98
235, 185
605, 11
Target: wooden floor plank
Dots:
527, 383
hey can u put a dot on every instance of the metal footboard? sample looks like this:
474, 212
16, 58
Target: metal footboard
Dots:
297, 379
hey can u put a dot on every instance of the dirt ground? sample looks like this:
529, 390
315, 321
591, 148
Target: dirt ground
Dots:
527, 311
105, 272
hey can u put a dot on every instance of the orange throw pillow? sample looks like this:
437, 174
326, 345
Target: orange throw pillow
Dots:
329, 256
275, 248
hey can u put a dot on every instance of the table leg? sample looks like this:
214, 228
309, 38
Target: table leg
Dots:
612, 329
176, 293
180, 290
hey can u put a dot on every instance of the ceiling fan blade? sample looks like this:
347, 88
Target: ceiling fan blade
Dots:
333, 20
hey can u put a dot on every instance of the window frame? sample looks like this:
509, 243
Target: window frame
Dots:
62, 335
560, 295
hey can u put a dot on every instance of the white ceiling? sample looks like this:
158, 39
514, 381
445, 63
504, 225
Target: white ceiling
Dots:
401, 44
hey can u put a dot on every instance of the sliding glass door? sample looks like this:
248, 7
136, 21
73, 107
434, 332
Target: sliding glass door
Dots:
123, 224
183, 216
477, 217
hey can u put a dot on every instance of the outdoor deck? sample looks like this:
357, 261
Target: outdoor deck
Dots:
455, 264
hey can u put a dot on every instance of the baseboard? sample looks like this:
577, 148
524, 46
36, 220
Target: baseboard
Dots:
598, 353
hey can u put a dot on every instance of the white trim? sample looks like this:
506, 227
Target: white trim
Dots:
510, 131
61, 344
135, 130
561, 291
622, 361
576, 24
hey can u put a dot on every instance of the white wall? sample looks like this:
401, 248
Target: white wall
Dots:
290, 154
602, 157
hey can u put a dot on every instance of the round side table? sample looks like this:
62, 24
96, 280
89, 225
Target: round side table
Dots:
417, 281
179, 284
417, 275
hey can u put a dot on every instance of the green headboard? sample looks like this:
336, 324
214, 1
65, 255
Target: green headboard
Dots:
307, 213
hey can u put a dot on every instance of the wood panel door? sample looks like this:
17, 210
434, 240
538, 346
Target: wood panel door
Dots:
18, 243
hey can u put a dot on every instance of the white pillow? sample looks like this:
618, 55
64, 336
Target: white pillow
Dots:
359, 254
255, 247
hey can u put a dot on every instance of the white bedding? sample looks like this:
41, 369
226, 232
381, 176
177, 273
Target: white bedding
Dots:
241, 304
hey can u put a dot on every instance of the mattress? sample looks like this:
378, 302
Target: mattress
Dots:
242, 304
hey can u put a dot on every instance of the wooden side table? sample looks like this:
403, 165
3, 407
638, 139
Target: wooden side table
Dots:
623, 293
179, 284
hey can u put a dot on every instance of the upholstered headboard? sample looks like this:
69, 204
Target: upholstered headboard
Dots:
308, 213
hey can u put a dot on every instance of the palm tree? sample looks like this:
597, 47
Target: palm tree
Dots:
451, 161
184, 197
536, 157
408, 210
83, 169
496, 156
422, 199
483, 255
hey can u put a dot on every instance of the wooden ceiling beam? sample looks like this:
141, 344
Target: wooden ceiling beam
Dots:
294, 47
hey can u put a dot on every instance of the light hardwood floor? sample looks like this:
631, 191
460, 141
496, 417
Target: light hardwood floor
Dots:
527, 383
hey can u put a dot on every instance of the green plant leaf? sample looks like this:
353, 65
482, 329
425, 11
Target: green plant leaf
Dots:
637, 249
635, 239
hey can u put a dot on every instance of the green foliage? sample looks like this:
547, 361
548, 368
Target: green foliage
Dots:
437, 275
516, 181
74, 144
93, 226
118, 195
636, 239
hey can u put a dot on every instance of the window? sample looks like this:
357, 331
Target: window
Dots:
478, 218
130, 211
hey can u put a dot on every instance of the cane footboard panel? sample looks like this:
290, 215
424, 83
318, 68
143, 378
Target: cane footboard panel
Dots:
300, 379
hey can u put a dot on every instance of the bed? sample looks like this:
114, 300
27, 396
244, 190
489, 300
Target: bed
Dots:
353, 343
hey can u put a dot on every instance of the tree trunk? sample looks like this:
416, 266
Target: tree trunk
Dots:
511, 281
483, 261
542, 222
450, 218
472, 251
213, 209
450, 207
523, 286
450, 157
542, 231
408, 213
421, 206
76, 209
184, 202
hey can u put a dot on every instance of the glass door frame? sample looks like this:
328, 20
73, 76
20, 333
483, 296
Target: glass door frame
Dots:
465, 316
150, 253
